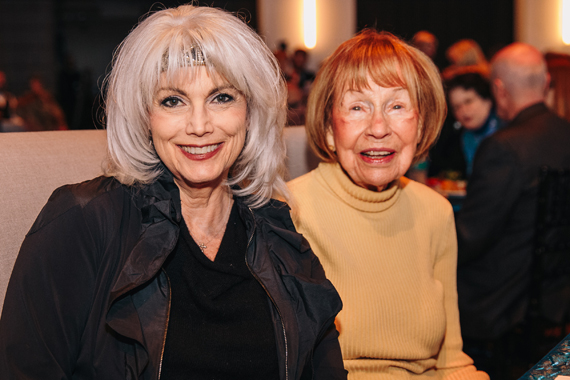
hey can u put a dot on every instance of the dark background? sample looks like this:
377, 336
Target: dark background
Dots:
70, 43
489, 22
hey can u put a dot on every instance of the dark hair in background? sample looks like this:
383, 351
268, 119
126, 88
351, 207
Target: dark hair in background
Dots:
470, 81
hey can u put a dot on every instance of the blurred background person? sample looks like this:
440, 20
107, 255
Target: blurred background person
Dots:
426, 42
472, 105
497, 223
386, 242
9, 120
7, 100
465, 56
299, 81
305, 76
39, 108
282, 57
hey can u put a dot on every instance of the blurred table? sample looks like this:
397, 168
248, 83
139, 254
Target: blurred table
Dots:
454, 190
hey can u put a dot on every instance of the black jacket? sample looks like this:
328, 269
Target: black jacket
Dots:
88, 298
495, 227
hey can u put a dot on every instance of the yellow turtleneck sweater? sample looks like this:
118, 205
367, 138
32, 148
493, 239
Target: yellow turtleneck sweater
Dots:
392, 257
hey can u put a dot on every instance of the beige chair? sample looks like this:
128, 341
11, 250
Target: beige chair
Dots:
33, 164
300, 157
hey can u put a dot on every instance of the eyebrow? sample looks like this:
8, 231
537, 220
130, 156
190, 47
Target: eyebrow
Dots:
221, 88
213, 91
172, 89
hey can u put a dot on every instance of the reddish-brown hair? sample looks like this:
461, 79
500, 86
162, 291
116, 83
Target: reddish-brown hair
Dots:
389, 62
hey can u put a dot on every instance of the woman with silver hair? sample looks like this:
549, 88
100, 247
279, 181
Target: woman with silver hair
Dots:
177, 263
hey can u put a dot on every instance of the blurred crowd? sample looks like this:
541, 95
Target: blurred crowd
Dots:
74, 104
299, 80
35, 110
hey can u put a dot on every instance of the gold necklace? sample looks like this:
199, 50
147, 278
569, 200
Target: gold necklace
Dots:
203, 245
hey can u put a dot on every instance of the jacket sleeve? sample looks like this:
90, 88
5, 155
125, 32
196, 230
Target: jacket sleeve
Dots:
327, 356
452, 362
49, 294
491, 195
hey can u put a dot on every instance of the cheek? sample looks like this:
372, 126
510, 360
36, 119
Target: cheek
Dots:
411, 129
345, 132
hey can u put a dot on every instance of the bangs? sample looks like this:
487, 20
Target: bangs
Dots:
184, 50
380, 61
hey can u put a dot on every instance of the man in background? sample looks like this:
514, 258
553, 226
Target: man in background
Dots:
495, 227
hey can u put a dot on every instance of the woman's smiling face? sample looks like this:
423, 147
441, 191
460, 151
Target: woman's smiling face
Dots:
375, 132
198, 127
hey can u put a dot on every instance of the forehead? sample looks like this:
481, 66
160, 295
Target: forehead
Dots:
375, 90
188, 75
371, 87
381, 74
459, 94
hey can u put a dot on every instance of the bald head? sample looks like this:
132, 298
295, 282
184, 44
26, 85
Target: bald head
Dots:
519, 73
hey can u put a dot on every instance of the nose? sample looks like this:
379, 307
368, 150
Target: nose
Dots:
379, 125
198, 121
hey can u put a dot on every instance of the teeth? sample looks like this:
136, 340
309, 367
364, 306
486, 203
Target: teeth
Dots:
376, 153
199, 150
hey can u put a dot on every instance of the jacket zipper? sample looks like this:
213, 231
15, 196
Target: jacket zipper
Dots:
269, 295
165, 326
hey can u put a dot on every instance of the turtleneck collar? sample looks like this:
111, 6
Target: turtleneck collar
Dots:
353, 195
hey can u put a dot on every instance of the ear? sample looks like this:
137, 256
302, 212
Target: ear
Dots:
547, 85
498, 88
420, 125
330, 139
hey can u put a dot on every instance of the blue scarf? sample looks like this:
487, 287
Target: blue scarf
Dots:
470, 139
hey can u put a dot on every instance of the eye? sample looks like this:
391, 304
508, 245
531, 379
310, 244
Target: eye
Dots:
171, 101
397, 107
356, 108
223, 98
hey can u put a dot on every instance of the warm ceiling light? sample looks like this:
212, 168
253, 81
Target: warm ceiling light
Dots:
310, 23
565, 21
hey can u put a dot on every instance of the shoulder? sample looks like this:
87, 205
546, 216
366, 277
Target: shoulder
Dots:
275, 227
425, 205
299, 184
275, 213
545, 122
422, 194
101, 192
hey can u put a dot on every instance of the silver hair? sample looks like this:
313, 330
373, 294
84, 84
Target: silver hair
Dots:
160, 44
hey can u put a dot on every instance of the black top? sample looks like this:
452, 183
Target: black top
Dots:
220, 324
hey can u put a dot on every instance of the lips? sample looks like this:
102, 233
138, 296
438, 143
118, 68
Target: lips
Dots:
378, 156
199, 153
374, 153
199, 149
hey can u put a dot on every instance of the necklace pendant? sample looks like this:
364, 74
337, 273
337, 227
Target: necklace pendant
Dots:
202, 247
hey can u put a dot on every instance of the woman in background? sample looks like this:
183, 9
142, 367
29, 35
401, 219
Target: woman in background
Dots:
387, 243
465, 56
471, 103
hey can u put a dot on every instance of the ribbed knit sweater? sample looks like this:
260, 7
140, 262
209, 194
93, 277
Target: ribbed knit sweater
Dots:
392, 256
